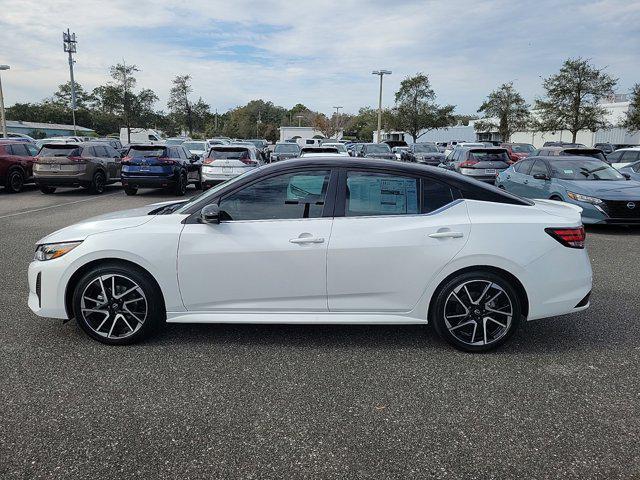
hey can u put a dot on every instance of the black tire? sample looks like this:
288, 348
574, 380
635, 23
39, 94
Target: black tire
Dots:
15, 181
198, 184
180, 188
466, 337
126, 331
130, 190
47, 190
98, 183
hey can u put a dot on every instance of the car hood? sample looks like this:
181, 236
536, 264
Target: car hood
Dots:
104, 223
605, 189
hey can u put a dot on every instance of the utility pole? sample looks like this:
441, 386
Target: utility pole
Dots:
380, 73
216, 121
337, 119
69, 44
258, 122
3, 119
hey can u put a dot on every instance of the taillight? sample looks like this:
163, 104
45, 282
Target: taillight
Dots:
468, 163
125, 160
570, 237
208, 161
77, 159
166, 161
248, 161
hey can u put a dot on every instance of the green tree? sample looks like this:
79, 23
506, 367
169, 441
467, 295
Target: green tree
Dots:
572, 98
124, 81
179, 104
632, 119
63, 96
504, 110
415, 111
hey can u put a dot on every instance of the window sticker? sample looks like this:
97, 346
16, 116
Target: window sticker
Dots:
368, 194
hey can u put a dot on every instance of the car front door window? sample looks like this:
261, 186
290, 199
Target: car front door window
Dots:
370, 194
289, 196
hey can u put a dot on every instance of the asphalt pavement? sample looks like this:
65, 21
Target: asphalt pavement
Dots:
561, 400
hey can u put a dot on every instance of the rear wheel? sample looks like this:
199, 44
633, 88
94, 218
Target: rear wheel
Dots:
130, 190
15, 181
117, 304
476, 311
180, 188
47, 190
98, 183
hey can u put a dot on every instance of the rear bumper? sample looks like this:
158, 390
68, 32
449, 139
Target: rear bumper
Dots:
148, 181
66, 180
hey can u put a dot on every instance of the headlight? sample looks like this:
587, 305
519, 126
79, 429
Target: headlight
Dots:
54, 250
584, 198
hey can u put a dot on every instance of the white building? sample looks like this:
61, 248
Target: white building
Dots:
302, 133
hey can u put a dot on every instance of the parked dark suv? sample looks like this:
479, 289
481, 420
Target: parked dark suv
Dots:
16, 163
376, 150
160, 166
426, 153
91, 165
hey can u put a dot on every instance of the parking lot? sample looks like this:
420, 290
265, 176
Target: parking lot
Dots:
561, 399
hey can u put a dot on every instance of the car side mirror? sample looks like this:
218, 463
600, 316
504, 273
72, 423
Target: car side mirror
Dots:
541, 176
210, 214
194, 157
626, 175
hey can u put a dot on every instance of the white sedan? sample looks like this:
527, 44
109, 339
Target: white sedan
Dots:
333, 240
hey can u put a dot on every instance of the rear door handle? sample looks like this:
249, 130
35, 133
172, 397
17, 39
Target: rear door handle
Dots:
302, 240
446, 235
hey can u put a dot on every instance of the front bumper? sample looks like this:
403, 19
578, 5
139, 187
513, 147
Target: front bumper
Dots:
47, 288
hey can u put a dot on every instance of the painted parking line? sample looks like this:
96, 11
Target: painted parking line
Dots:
59, 205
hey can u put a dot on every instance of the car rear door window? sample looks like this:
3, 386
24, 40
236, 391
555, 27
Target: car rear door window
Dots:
288, 196
88, 152
630, 156
19, 150
370, 193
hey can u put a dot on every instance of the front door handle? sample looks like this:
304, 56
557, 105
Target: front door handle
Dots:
446, 235
303, 240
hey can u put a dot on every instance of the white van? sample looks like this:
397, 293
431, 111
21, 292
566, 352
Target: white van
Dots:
141, 135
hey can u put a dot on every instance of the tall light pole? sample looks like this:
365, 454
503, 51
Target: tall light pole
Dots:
4, 120
380, 73
69, 44
299, 117
337, 119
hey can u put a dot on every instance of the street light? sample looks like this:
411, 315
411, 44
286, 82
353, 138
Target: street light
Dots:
380, 73
4, 120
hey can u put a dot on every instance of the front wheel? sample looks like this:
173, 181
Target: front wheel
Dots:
476, 311
118, 304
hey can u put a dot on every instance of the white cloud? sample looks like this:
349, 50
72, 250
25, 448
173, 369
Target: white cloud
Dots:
318, 53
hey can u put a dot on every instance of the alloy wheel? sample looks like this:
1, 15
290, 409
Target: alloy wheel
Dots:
478, 312
16, 182
114, 306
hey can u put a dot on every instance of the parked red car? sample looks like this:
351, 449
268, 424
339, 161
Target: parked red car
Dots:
16, 165
518, 151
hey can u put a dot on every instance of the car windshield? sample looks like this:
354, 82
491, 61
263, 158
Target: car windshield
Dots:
489, 155
59, 151
584, 170
524, 148
425, 148
287, 148
138, 152
378, 148
195, 146
338, 146
229, 153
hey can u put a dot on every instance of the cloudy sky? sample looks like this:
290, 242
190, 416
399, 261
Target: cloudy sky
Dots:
317, 53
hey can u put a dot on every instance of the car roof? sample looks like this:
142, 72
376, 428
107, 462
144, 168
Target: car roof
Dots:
562, 158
